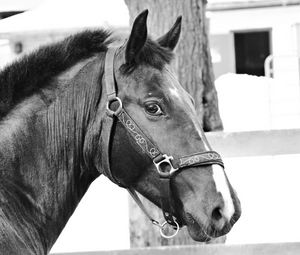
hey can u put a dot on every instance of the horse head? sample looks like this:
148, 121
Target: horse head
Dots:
157, 146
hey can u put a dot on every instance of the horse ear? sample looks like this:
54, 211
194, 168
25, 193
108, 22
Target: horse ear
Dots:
170, 39
137, 38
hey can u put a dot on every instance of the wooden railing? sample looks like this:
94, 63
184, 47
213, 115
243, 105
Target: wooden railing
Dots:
256, 143
214, 249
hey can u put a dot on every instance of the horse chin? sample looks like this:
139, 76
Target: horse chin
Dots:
196, 230
201, 233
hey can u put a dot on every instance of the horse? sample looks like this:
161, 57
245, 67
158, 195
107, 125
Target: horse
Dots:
88, 106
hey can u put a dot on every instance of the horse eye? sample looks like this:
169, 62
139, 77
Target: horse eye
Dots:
153, 109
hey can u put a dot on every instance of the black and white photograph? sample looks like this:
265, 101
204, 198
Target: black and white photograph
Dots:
149, 127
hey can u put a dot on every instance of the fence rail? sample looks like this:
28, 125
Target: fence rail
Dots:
256, 143
214, 249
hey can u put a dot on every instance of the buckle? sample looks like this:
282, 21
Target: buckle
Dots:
110, 112
164, 162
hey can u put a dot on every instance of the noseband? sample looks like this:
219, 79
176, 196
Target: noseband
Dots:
165, 164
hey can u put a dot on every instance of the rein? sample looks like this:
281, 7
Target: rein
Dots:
165, 164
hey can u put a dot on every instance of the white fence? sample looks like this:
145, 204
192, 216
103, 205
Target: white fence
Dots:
256, 143
252, 249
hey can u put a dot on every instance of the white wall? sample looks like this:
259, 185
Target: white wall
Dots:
280, 20
222, 52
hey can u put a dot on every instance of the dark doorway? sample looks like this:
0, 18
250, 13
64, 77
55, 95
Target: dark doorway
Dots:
251, 50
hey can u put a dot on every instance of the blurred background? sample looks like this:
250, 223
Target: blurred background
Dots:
255, 50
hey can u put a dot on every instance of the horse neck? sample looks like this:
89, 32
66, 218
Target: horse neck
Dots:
66, 123
48, 169
21, 217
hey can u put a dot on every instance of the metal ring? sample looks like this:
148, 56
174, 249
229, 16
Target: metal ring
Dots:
170, 236
118, 110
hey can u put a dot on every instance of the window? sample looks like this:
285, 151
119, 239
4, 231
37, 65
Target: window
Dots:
251, 50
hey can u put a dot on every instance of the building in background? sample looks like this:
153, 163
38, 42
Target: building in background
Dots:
258, 38
245, 33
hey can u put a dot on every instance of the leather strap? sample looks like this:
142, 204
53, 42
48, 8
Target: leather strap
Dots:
198, 159
166, 203
147, 146
136, 198
108, 122
109, 73
106, 132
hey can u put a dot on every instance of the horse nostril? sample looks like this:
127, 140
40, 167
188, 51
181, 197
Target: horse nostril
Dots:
217, 214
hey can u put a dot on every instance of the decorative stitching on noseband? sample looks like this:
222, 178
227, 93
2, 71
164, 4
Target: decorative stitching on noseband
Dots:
199, 158
138, 136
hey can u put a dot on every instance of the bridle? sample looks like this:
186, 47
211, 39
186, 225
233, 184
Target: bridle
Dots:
165, 164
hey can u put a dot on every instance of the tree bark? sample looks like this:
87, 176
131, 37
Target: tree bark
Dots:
194, 69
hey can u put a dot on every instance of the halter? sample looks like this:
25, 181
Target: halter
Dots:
165, 164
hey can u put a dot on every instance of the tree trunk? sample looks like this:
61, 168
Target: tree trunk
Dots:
194, 70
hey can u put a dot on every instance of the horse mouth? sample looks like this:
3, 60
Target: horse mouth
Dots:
196, 230
201, 233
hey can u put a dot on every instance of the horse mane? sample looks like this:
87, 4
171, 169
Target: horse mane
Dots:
26, 76
34, 71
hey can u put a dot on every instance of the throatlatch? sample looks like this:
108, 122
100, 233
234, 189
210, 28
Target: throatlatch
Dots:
165, 164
